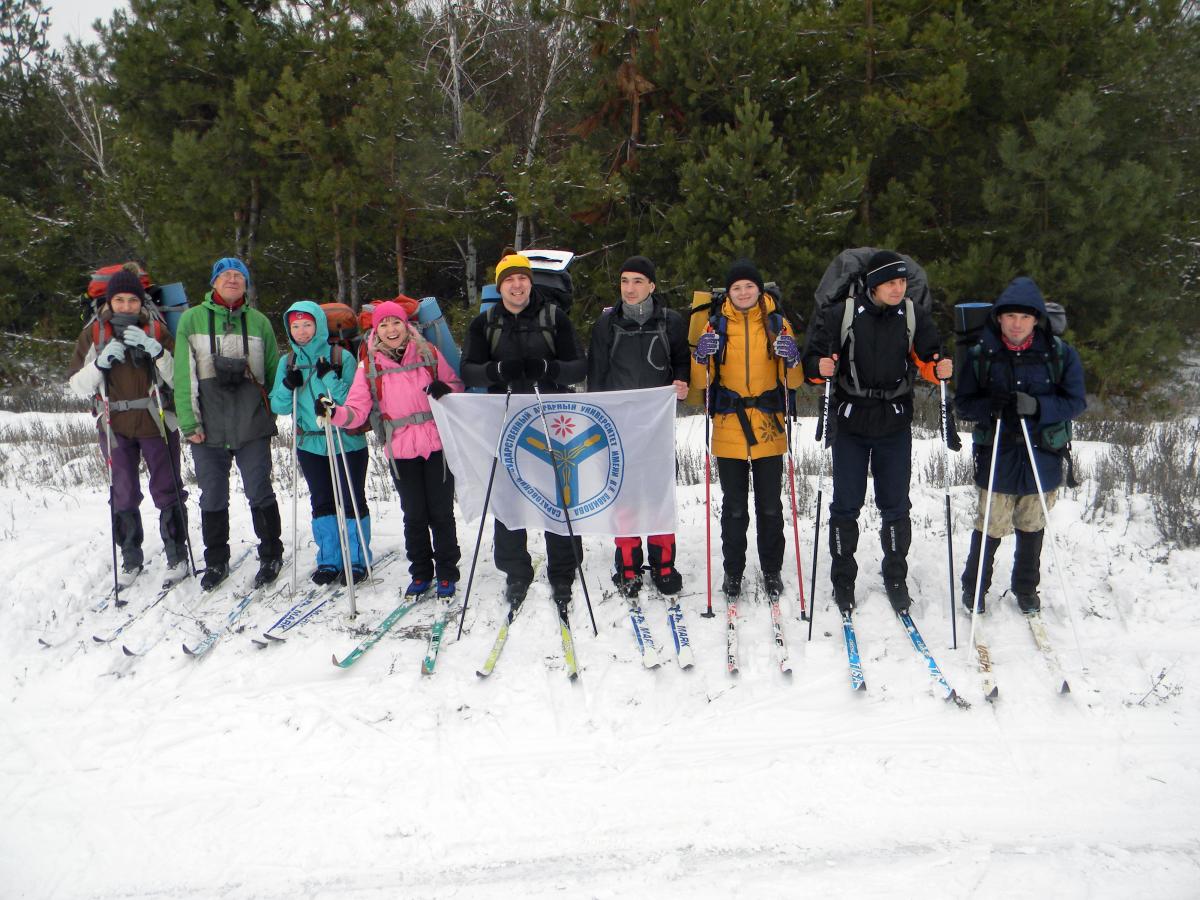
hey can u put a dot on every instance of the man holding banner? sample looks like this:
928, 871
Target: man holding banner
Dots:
522, 343
641, 343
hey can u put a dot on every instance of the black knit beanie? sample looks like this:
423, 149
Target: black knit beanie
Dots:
883, 266
641, 265
743, 269
124, 282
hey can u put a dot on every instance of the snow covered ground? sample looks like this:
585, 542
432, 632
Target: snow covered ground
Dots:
271, 773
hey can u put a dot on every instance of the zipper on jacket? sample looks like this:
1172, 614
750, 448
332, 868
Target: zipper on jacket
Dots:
746, 341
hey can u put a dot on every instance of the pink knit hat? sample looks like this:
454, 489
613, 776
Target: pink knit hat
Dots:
385, 310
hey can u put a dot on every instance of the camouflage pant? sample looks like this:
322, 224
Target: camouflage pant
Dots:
1010, 511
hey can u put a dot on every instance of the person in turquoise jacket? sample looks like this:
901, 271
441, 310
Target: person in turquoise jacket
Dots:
311, 369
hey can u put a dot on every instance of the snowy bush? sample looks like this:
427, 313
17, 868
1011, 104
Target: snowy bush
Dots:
1171, 476
1161, 462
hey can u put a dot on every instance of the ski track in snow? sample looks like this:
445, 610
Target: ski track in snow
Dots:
270, 773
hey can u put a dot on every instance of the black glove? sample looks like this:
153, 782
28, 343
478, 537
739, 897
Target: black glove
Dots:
536, 369
953, 441
437, 389
1001, 401
293, 379
505, 371
323, 367
325, 406
1025, 404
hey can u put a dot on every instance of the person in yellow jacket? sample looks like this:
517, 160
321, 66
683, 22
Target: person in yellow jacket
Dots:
746, 362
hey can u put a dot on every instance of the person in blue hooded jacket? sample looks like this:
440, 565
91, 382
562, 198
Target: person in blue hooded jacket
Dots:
311, 369
1018, 373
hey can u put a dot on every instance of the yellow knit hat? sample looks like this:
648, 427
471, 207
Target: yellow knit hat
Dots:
513, 264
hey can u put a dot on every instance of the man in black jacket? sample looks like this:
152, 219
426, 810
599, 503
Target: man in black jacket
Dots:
873, 351
521, 342
640, 343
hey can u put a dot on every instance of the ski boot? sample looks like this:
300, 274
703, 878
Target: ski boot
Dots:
773, 585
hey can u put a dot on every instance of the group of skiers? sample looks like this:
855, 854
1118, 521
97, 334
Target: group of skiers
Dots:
1021, 385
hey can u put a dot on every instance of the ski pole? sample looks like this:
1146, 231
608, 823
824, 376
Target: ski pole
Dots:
822, 427
112, 511
1062, 578
949, 533
340, 510
789, 412
708, 486
362, 540
987, 519
487, 499
562, 502
295, 489
176, 478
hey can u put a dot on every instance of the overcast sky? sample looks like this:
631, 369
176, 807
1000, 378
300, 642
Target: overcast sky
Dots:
73, 18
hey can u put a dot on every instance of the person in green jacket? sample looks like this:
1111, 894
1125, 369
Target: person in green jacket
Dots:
226, 355
313, 369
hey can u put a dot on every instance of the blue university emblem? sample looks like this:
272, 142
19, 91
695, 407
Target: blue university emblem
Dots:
579, 463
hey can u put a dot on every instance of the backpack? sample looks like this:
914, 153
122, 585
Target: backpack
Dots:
343, 326
551, 280
844, 278
93, 299
167, 302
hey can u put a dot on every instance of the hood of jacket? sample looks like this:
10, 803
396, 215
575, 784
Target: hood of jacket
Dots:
1022, 291
308, 354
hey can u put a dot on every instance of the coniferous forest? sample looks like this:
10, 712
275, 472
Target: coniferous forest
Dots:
353, 150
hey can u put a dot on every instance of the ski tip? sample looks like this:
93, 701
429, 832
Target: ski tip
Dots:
785, 668
993, 695
96, 638
859, 687
260, 643
1065, 688
336, 662
958, 701
44, 642
127, 651
480, 673
188, 650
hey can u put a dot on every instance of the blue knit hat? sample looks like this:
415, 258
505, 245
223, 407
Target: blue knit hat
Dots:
226, 263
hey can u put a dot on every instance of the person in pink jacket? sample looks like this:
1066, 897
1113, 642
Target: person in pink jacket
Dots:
392, 389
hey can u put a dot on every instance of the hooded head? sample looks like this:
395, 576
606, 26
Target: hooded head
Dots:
1021, 295
319, 345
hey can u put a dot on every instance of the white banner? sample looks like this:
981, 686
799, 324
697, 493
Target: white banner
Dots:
614, 454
